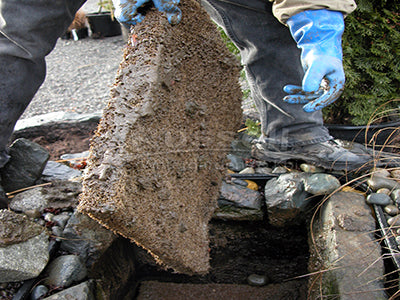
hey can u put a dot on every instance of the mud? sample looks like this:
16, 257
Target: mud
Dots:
157, 158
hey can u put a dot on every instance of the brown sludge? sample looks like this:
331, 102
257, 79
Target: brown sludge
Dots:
157, 158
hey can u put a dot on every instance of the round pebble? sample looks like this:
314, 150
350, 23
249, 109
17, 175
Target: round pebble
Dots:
395, 173
39, 292
257, 280
248, 170
394, 221
381, 172
33, 213
398, 239
310, 168
391, 210
396, 195
279, 170
379, 199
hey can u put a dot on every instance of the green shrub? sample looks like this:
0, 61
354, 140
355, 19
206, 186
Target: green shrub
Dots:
371, 59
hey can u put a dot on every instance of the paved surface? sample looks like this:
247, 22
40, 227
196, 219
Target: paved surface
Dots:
79, 74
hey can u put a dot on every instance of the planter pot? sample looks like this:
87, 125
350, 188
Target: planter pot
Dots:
380, 134
102, 25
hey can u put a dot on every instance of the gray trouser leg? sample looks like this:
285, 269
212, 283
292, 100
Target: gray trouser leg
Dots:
29, 30
271, 60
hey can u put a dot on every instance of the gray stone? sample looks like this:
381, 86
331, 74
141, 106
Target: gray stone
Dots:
86, 237
247, 170
383, 191
395, 173
321, 184
239, 196
286, 198
279, 170
379, 199
381, 172
391, 210
61, 219
60, 194
395, 195
58, 171
394, 221
82, 291
350, 259
66, 270
236, 163
377, 182
263, 170
25, 260
25, 166
38, 292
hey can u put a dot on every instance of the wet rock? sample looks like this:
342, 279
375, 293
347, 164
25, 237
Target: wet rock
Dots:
86, 237
257, 280
286, 198
340, 230
60, 194
239, 196
66, 270
395, 173
82, 291
379, 199
23, 247
377, 182
39, 292
321, 184
236, 163
25, 166
58, 171
391, 210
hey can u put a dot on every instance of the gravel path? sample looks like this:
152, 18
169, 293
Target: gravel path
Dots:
79, 74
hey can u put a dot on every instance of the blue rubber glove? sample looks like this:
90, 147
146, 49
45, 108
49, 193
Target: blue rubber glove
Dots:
126, 11
318, 34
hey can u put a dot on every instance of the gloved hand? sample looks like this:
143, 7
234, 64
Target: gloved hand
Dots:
318, 34
126, 11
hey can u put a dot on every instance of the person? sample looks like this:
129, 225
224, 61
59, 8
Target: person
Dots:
29, 30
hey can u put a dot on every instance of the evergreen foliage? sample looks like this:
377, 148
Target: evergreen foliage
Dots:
371, 59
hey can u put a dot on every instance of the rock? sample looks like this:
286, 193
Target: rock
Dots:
310, 168
263, 170
239, 196
286, 198
236, 163
146, 174
66, 270
60, 194
395, 195
380, 173
82, 291
75, 160
58, 171
279, 170
391, 210
247, 170
321, 184
241, 146
395, 173
87, 238
25, 166
394, 221
342, 250
379, 199
61, 219
23, 247
377, 182
39, 292
384, 191
257, 280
